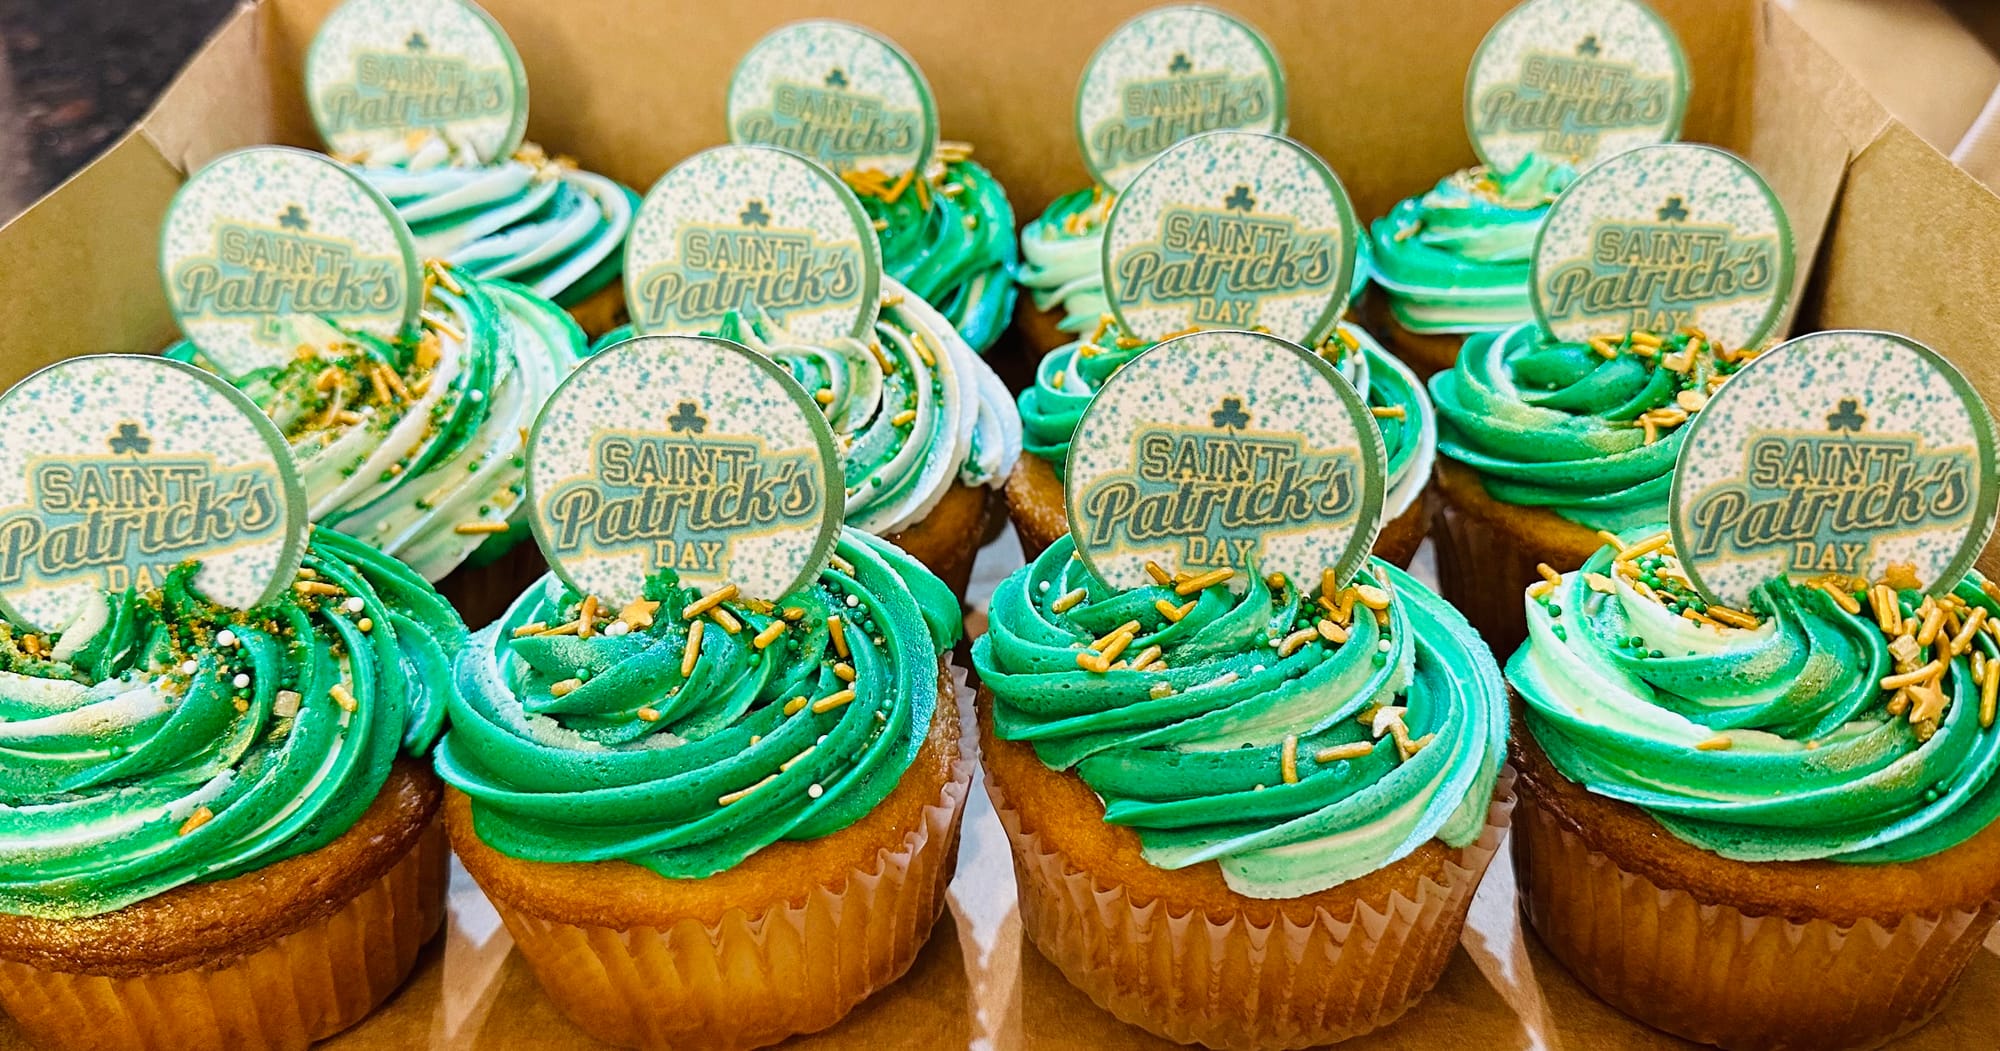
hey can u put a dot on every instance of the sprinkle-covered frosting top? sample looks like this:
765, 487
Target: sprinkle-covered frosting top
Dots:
415, 446
159, 740
533, 219
913, 411
1587, 430
949, 238
1456, 258
1298, 734
684, 732
1835, 718
1069, 376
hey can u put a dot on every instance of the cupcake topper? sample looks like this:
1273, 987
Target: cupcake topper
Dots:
1225, 450
116, 468
1168, 74
838, 94
753, 227
263, 238
380, 70
1576, 81
688, 453
1660, 239
1843, 454
1231, 229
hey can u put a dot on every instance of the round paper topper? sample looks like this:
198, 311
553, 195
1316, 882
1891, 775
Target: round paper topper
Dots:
118, 467
1664, 238
1842, 453
1231, 229
688, 453
758, 229
838, 94
1168, 74
262, 237
379, 70
1225, 449
1576, 81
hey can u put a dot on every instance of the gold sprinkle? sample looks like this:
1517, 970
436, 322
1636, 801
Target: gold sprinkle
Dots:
1841, 597
794, 613
1160, 689
1293, 642
1373, 597
841, 564
1172, 612
793, 761
1389, 412
479, 528
1224, 679
1911, 678
886, 363
586, 617
570, 628
1718, 743
365, 625
316, 587
844, 672
709, 601
1350, 750
1600, 583
693, 651
1933, 622
1158, 573
838, 630
1734, 618
1331, 632
923, 348
1068, 600
904, 418
1611, 540
824, 397
1288, 760
638, 613
1643, 338
1902, 576
652, 715
795, 705
1989, 690
1195, 584
725, 620
1549, 574
286, 704
201, 816
831, 701
1146, 657
338, 691
1128, 629
1963, 640
564, 688
742, 793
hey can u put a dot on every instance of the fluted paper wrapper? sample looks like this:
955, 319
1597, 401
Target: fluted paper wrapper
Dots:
1713, 974
1226, 983
767, 971
303, 987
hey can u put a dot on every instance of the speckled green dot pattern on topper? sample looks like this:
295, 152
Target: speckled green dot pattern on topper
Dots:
381, 69
1225, 449
690, 453
838, 94
1231, 229
262, 237
1836, 453
757, 229
1168, 74
1576, 81
118, 467
1663, 238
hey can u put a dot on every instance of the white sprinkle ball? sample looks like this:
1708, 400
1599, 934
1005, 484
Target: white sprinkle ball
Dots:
189, 667
242, 681
225, 637
354, 604
815, 791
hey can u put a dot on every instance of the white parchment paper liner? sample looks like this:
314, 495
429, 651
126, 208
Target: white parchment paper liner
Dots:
1222, 981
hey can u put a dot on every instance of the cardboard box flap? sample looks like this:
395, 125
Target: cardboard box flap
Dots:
224, 99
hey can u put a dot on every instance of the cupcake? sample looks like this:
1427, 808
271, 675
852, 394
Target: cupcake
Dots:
429, 103
949, 238
715, 837
1547, 444
226, 811
1258, 821
1062, 267
927, 433
1066, 380
1454, 260
1762, 827
415, 446
536, 220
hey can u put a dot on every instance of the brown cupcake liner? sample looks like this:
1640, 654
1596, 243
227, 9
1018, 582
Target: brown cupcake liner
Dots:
303, 987
1712, 973
1487, 552
1227, 983
764, 971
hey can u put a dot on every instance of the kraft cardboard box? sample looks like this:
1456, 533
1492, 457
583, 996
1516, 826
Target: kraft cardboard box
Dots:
1896, 237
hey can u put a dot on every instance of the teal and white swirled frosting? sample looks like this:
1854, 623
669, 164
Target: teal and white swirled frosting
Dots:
664, 740
913, 410
1772, 742
952, 243
1455, 258
1237, 729
416, 446
537, 221
159, 740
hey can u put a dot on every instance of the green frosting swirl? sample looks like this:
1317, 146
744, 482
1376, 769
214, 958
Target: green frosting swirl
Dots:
405, 464
1455, 259
141, 749
1767, 744
1069, 376
1190, 753
1560, 425
953, 245
603, 747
